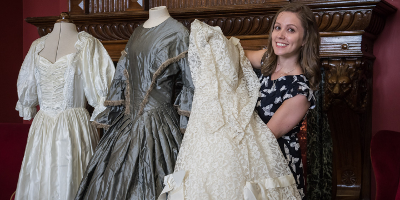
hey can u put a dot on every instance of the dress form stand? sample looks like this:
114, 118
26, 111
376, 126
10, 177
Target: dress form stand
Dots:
61, 41
157, 15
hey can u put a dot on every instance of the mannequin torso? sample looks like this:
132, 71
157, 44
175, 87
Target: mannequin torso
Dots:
60, 42
157, 15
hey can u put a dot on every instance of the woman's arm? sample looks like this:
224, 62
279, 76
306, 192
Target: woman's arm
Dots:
255, 57
288, 115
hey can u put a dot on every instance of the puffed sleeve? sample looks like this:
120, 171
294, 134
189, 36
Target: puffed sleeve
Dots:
183, 102
98, 71
116, 100
26, 85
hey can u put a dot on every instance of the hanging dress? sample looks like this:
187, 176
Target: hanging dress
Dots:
143, 134
227, 153
61, 139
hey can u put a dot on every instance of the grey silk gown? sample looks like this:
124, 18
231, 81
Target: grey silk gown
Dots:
143, 134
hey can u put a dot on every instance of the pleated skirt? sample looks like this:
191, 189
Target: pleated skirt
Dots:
133, 157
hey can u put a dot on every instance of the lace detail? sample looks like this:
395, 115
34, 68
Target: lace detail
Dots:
226, 144
67, 83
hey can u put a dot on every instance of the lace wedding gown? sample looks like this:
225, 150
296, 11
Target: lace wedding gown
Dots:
61, 139
227, 153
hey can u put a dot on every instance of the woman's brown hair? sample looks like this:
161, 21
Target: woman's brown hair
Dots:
309, 53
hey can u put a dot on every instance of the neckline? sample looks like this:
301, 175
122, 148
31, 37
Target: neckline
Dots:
157, 24
42, 46
61, 58
270, 77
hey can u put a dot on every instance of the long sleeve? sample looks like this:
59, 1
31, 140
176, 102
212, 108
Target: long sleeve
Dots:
184, 99
98, 71
27, 86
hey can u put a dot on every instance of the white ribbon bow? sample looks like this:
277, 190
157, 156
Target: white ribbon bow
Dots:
173, 186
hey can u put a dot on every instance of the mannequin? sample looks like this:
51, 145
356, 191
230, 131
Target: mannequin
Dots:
61, 41
157, 15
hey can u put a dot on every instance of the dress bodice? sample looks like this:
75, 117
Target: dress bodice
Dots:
67, 83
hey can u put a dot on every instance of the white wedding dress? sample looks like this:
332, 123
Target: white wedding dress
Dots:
227, 153
61, 139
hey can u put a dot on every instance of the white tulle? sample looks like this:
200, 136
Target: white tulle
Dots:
227, 153
61, 139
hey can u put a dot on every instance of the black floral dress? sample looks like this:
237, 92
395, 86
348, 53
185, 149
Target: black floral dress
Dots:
272, 95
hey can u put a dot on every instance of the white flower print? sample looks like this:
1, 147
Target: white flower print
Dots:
277, 100
269, 91
265, 81
295, 145
282, 78
287, 96
267, 110
294, 79
293, 164
301, 193
283, 88
258, 103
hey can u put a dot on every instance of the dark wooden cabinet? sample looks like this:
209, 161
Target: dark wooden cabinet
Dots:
348, 30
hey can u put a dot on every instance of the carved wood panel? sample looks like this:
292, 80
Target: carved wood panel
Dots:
179, 4
348, 29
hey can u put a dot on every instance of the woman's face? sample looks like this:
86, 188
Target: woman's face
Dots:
287, 36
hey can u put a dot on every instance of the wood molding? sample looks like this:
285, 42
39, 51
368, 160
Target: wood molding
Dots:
348, 30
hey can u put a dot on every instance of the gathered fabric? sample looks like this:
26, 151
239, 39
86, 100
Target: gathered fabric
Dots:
61, 139
57, 153
227, 153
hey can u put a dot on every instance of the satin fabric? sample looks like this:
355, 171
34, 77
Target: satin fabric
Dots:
137, 151
61, 139
57, 152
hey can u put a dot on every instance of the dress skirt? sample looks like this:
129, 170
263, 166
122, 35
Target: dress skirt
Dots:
56, 155
133, 157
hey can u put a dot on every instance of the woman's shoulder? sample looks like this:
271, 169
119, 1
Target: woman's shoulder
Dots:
297, 85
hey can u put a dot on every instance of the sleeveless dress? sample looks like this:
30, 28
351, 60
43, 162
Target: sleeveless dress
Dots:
61, 139
143, 134
227, 153
272, 95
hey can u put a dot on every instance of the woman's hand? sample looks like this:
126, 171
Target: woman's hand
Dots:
288, 115
255, 57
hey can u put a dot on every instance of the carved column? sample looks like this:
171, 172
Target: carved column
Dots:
347, 101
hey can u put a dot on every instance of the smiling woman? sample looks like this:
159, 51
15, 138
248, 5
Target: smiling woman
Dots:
290, 73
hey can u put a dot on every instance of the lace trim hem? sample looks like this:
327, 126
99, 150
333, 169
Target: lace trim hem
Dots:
182, 112
183, 130
127, 93
260, 189
114, 103
99, 125
162, 67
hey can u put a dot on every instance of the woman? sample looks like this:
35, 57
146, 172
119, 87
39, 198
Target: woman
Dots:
290, 74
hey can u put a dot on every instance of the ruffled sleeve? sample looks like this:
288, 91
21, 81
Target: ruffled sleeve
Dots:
98, 71
27, 86
300, 86
183, 102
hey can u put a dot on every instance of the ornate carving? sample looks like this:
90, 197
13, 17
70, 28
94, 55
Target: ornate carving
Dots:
346, 80
230, 25
349, 178
380, 12
181, 4
343, 20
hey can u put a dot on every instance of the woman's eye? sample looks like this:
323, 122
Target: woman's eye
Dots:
277, 28
291, 30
